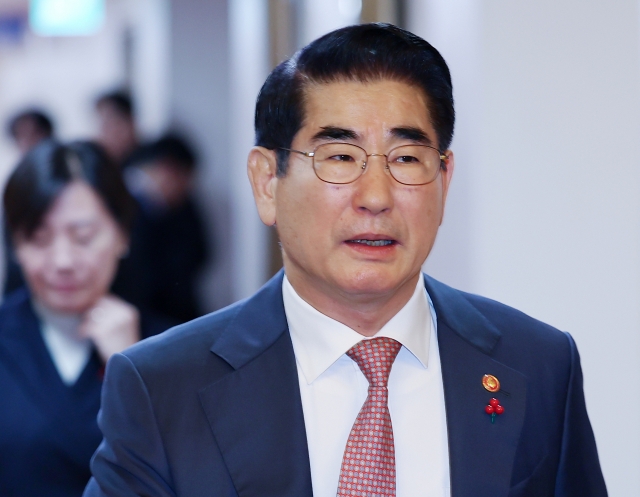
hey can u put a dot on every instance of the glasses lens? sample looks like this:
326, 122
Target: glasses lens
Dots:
414, 164
339, 162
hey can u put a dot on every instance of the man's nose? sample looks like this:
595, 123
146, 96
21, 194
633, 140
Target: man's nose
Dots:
374, 192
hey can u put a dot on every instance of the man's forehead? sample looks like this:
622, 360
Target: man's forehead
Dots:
341, 109
351, 84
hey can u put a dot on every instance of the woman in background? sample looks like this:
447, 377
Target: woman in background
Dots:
69, 215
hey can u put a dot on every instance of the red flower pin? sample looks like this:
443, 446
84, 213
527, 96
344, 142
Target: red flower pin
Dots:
494, 408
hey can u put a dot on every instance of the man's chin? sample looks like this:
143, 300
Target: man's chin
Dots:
372, 282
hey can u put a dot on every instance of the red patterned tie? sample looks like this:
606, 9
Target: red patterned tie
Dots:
369, 465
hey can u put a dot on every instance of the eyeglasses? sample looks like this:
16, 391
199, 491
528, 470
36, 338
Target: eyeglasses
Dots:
341, 163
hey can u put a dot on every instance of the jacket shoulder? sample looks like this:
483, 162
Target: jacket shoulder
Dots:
518, 335
509, 319
184, 347
191, 334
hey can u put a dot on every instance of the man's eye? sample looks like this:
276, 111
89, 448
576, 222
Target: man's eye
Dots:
341, 158
406, 159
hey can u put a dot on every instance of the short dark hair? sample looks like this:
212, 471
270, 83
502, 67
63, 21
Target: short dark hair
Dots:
44, 173
120, 100
367, 52
42, 121
168, 147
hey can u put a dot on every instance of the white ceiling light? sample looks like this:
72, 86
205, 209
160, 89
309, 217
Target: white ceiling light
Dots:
66, 17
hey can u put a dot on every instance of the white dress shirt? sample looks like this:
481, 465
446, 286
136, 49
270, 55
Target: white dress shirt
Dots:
69, 352
333, 390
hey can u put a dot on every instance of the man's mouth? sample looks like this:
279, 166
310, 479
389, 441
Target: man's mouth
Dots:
372, 243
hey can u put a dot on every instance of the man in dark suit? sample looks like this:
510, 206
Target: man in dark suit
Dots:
351, 372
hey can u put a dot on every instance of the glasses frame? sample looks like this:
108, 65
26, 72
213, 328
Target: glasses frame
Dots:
443, 158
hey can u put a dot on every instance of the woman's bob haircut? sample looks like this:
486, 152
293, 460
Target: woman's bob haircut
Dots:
48, 169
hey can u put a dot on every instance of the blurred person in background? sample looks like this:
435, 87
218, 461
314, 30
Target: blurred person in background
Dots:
168, 242
116, 125
69, 214
28, 128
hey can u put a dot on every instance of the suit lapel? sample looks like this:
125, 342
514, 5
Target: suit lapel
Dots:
481, 454
255, 411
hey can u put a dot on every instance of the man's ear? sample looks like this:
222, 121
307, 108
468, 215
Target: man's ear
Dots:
262, 171
445, 176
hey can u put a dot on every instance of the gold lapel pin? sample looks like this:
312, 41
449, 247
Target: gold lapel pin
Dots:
490, 383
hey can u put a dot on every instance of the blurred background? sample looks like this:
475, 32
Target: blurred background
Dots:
544, 210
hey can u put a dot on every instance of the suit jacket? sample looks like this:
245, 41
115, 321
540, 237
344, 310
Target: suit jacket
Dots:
48, 430
213, 407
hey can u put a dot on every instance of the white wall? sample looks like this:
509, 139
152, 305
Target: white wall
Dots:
200, 106
249, 67
150, 23
319, 17
546, 195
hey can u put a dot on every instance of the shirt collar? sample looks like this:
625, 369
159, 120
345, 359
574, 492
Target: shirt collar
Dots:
319, 341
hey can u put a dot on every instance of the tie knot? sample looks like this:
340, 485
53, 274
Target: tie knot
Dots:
375, 358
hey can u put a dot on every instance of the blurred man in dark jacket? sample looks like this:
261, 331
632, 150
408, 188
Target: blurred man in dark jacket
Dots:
168, 242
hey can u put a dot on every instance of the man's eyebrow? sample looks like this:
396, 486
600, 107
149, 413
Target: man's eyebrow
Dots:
404, 132
335, 133
413, 134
